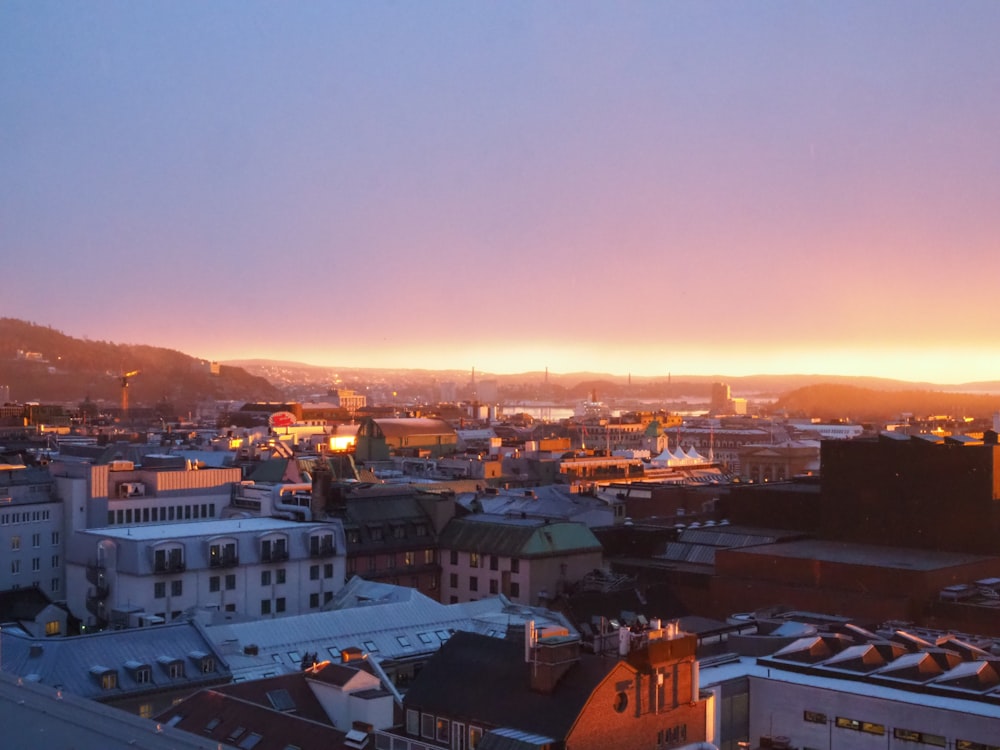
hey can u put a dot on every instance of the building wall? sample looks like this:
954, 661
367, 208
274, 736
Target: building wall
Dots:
640, 724
31, 546
779, 708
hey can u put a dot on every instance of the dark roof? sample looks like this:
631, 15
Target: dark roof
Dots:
296, 698
22, 604
229, 720
517, 537
487, 681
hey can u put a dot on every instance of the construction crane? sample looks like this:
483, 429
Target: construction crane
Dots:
125, 377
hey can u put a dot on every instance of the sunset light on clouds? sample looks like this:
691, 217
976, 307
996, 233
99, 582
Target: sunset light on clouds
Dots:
646, 188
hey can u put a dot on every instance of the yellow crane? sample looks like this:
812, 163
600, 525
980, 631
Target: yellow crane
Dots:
125, 377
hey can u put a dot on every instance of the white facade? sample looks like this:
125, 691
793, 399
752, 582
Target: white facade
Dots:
31, 532
257, 567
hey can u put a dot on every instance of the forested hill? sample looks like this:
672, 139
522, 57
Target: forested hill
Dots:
829, 401
39, 363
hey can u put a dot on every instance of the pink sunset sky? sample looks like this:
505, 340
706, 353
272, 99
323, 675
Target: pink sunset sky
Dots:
685, 187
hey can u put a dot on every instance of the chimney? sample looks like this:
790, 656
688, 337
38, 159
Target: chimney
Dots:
553, 657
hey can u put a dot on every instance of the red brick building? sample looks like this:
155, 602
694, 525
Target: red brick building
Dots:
478, 693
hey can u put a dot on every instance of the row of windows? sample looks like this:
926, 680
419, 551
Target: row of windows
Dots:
476, 561
279, 605
441, 729
156, 514
36, 540
54, 585
899, 733
28, 516
36, 564
494, 585
160, 589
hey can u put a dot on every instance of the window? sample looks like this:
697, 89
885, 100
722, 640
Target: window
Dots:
443, 726
427, 726
321, 545
814, 717
412, 722
143, 675
15, 543
36, 540
280, 575
55, 584
328, 570
621, 701
222, 554
279, 604
109, 681
146, 710
55, 561
911, 735
36, 564
176, 588
970, 745
398, 531
473, 559
475, 736
454, 557
861, 726
327, 597
494, 586
515, 589
376, 533
453, 580
473, 583
428, 557
314, 572
213, 583
159, 590
515, 565
230, 582
353, 536
265, 606
265, 578
420, 529
52, 627
494, 562
313, 601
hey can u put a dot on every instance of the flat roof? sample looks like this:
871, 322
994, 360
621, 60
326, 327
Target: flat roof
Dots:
864, 554
154, 531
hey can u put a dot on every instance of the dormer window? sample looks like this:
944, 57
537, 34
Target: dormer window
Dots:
173, 667
140, 672
107, 678
204, 663
222, 554
321, 544
274, 549
168, 558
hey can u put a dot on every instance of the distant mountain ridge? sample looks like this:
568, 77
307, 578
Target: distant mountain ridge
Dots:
39, 363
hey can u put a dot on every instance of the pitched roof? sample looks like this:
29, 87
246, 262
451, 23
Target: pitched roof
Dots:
486, 680
530, 537
70, 661
233, 721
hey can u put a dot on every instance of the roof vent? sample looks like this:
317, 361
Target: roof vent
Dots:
35, 650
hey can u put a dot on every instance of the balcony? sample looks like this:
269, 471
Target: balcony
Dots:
274, 555
223, 561
97, 608
322, 550
169, 566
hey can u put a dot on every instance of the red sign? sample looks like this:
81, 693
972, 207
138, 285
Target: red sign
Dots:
281, 419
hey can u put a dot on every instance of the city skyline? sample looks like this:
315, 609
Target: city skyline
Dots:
701, 188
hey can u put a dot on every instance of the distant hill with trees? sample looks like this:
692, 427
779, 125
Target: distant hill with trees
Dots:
39, 363
838, 401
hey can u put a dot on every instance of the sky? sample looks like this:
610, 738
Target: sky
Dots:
677, 187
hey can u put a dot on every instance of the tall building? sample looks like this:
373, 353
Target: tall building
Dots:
31, 531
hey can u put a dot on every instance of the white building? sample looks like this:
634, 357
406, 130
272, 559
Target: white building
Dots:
31, 531
260, 567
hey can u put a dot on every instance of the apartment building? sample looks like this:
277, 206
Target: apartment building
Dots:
261, 567
31, 531
528, 560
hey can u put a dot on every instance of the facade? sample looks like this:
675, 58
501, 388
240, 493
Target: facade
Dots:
31, 532
481, 693
527, 560
838, 686
779, 462
921, 491
259, 567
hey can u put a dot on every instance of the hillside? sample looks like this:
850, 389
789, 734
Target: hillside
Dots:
834, 401
39, 363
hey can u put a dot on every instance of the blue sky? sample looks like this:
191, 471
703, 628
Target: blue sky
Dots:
695, 187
